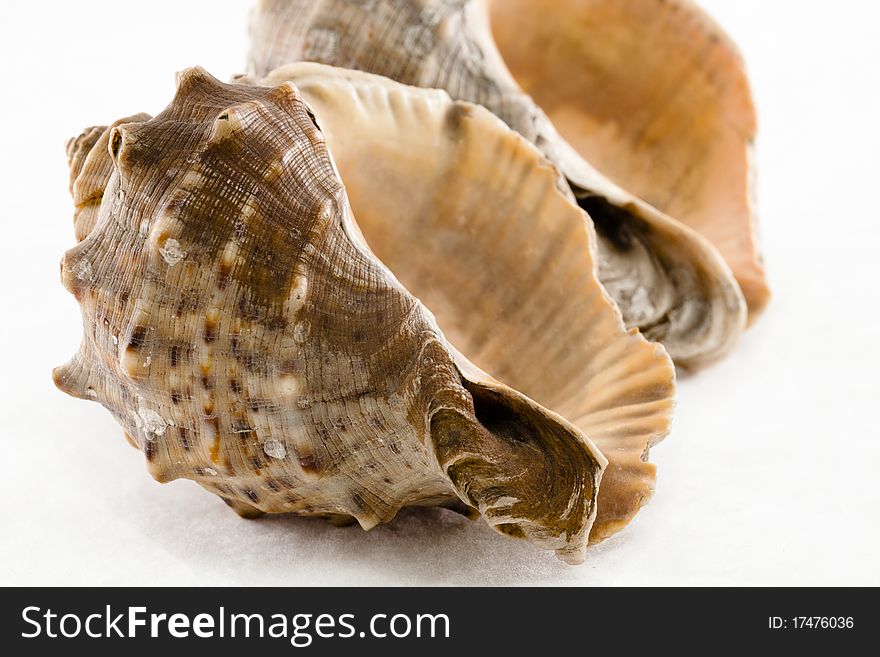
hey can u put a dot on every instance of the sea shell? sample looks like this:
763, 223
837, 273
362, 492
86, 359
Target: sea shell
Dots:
470, 218
240, 329
654, 94
666, 279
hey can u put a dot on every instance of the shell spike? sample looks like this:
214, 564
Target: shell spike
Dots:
91, 165
195, 82
78, 149
74, 377
191, 75
227, 123
77, 273
284, 92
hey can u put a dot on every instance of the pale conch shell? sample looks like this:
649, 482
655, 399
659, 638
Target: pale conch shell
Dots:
242, 332
667, 280
655, 95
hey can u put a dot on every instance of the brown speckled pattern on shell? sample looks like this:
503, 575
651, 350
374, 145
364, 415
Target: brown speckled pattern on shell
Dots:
245, 338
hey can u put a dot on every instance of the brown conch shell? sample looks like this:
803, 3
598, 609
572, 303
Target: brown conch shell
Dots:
667, 280
655, 95
240, 329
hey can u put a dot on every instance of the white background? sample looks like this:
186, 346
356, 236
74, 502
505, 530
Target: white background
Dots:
768, 477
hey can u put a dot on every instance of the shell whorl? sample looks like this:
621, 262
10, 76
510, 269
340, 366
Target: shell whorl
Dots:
246, 338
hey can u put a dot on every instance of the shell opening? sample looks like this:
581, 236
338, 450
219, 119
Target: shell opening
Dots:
530, 473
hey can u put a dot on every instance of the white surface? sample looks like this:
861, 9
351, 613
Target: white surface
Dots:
769, 475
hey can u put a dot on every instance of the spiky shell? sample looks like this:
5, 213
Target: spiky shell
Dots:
238, 328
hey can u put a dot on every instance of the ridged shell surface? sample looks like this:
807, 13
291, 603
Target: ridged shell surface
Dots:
244, 335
